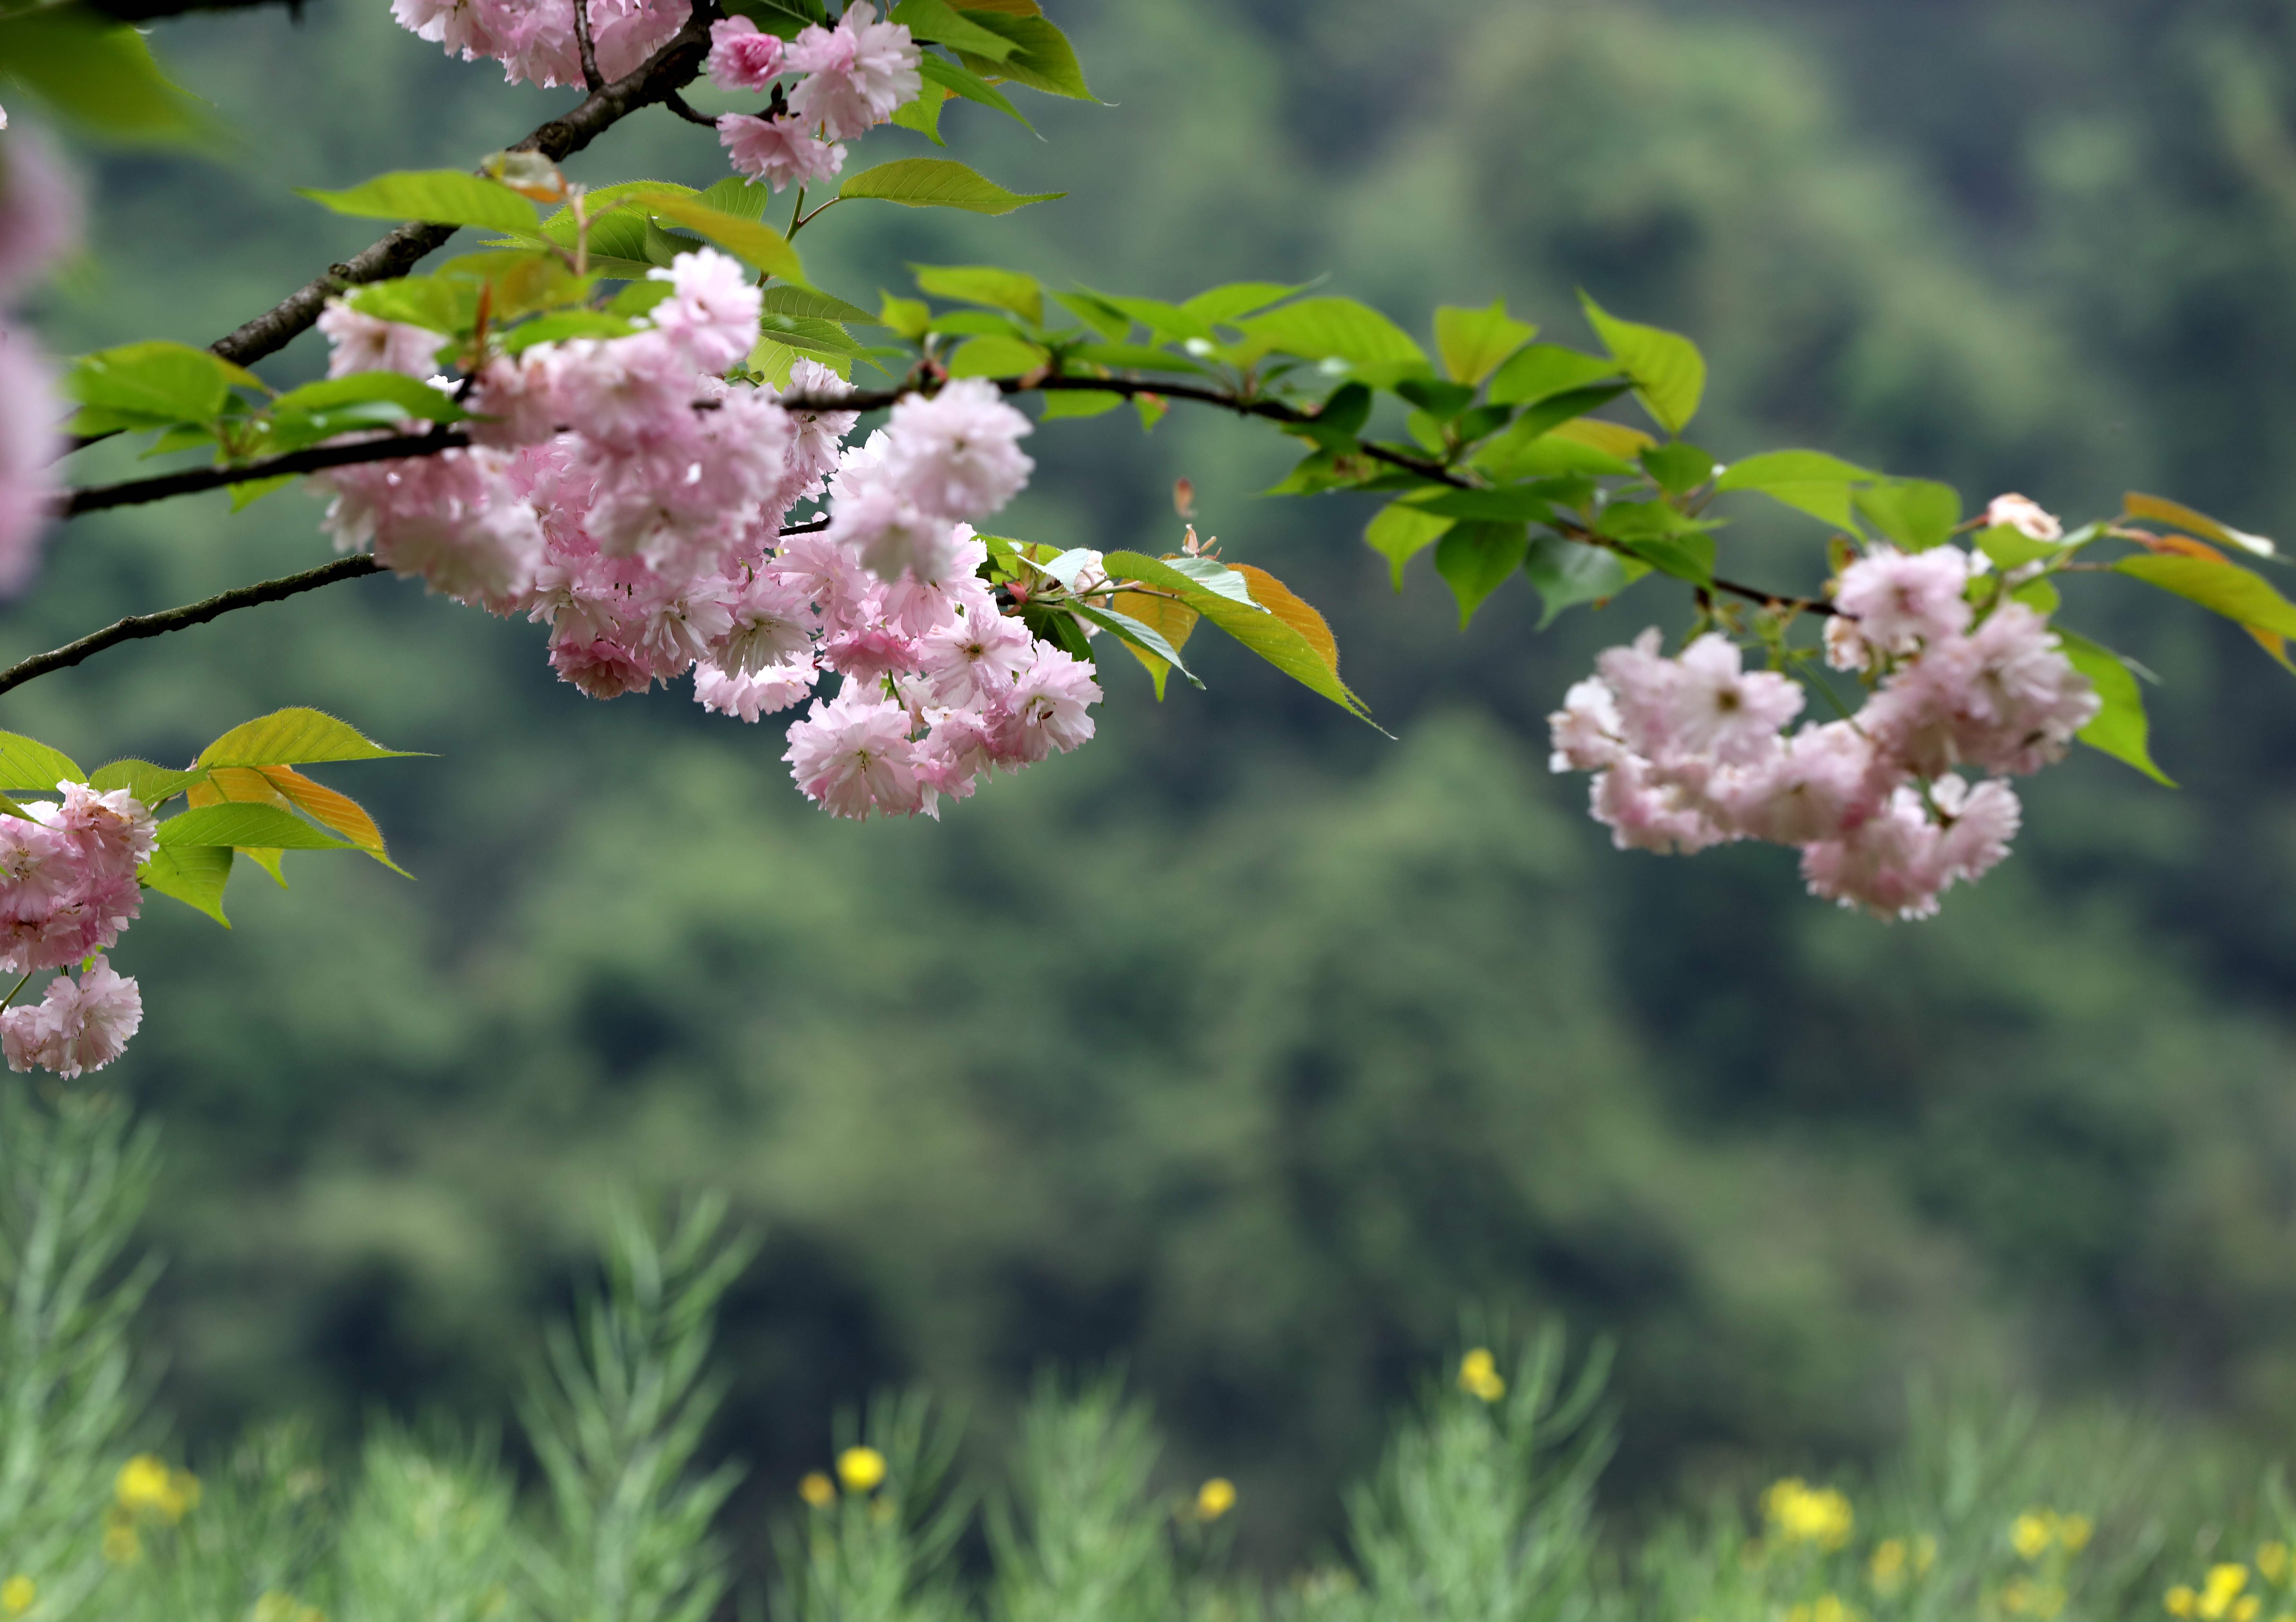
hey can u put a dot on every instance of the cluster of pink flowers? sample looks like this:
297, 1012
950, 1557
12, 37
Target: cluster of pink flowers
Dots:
1693, 752
624, 494
855, 76
67, 890
534, 39
39, 221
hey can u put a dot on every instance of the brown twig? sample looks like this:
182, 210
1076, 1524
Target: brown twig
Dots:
683, 109
395, 253
136, 492
137, 626
583, 48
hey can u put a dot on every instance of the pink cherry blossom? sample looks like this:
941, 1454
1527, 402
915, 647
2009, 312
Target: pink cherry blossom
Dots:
741, 57
1585, 730
956, 453
367, 343
1820, 783
79, 1025
1644, 812
40, 213
857, 74
975, 661
751, 694
1902, 600
853, 755
31, 441
2026, 516
1048, 708
779, 152
711, 313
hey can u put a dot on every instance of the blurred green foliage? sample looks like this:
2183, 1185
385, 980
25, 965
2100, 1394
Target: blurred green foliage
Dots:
1243, 1045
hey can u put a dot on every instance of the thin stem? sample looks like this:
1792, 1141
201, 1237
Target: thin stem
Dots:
796, 211
683, 109
17, 986
137, 626
660, 76
798, 225
591, 77
135, 492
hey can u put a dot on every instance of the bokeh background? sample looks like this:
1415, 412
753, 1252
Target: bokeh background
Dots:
1244, 1047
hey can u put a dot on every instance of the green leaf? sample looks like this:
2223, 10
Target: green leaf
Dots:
2159, 509
194, 875
413, 399
911, 318
996, 357
1096, 313
1041, 59
1473, 343
1400, 532
938, 182
1224, 304
439, 304
292, 737
807, 304
1135, 357
97, 73
2011, 547
1147, 638
27, 762
1666, 368
2120, 729
247, 827
2226, 588
1332, 328
439, 197
971, 85
1918, 514
568, 324
938, 22
1171, 322
922, 113
1078, 403
1150, 408
247, 492
1528, 503
1679, 468
1808, 481
1475, 558
1568, 573
156, 380
1004, 289
154, 785
752, 240
1545, 369
741, 199
1267, 635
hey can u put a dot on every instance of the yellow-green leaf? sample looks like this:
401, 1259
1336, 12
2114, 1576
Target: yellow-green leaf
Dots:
439, 197
292, 737
1667, 371
1473, 343
2162, 510
26, 762
2226, 588
194, 875
938, 182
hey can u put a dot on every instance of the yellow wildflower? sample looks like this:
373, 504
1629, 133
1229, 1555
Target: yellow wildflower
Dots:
2032, 1533
1215, 1498
2244, 1609
17, 1595
1828, 1608
1478, 1375
817, 1490
1804, 1514
2021, 1596
861, 1468
2180, 1601
1924, 1553
2073, 1531
2217, 1594
121, 1546
146, 1486
1888, 1565
2272, 1561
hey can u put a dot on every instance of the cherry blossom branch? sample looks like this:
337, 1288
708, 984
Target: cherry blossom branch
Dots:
137, 626
135, 492
664, 73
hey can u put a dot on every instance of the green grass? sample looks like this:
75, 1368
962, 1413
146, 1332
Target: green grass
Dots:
1483, 1509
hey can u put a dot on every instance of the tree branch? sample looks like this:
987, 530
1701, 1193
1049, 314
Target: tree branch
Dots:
662, 74
137, 626
135, 492
588, 52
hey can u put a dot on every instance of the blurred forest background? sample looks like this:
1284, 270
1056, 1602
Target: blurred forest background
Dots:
1243, 1047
